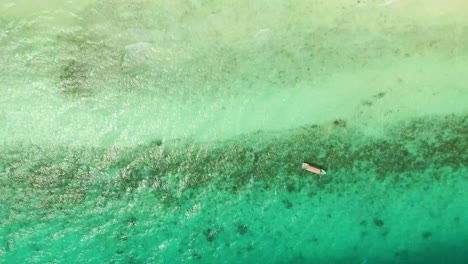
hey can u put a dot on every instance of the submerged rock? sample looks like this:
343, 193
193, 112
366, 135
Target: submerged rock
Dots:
138, 55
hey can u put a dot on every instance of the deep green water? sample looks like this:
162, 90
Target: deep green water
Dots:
174, 131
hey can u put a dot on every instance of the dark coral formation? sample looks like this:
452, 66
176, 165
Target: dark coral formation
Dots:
378, 222
174, 170
242, 229
426, 235
339, 123
74, 79
210, 234
288, 204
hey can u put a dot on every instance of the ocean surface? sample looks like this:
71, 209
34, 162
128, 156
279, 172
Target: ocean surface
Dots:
174, 131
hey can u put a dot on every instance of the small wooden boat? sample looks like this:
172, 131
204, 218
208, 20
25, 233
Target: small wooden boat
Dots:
313, 169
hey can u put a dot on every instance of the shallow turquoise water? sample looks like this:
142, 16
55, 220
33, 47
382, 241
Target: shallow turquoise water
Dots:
397, 199
174, 132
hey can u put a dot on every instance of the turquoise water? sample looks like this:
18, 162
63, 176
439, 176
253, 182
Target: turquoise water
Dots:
397, 199
174, 132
